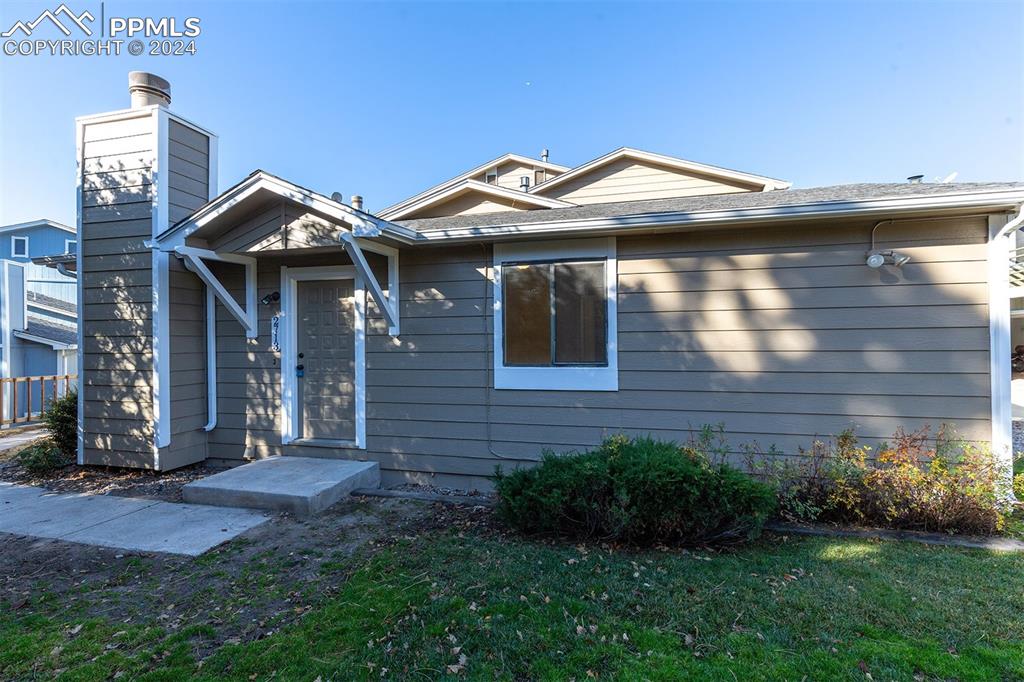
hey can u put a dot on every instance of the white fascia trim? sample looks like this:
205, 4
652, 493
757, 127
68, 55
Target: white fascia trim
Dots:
363, 224
999, 250
389, 212
476, 186
1006, 199
766, 183
388, 303
56, 345
161, 329
80, 167
193, 258
211, 360
290, 412
558, 378
43, 222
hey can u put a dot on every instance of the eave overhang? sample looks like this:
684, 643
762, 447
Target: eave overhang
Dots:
994, 202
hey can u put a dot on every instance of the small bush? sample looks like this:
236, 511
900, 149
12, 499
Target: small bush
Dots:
61, 422
42, 458
635, 490
913, 483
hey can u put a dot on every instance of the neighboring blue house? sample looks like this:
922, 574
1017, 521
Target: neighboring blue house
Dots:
38, 307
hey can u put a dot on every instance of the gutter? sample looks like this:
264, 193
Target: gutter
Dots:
837, 209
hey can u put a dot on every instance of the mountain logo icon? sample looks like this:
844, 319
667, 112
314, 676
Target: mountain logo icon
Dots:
53, 16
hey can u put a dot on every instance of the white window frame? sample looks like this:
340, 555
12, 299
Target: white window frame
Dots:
558, 378
290, 408
67, 245
14, 249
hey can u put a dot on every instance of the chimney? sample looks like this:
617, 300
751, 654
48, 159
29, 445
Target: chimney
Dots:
148, 89
915, 179
524, 182
544, 155
357, 202
132, 188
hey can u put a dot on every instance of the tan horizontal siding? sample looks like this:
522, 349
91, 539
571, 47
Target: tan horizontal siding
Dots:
116, 282
631, 180
782, 335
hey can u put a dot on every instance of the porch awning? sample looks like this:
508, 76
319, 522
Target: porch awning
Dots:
265, 213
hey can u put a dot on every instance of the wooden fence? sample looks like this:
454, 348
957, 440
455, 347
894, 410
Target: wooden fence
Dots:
25, 399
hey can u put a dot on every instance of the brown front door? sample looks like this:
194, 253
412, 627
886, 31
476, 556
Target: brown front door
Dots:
326, 355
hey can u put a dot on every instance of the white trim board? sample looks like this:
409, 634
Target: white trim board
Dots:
999, 249
467, 186
493, 163
558, 378
766, 183
290, 412
42, 222
363, 224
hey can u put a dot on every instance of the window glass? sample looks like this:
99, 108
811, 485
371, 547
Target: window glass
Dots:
555, 314
580, 314
527, 303
19, 246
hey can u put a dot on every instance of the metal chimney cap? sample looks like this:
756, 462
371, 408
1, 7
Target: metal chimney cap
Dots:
915, 179
147, 89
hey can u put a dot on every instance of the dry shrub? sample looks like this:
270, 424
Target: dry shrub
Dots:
916, 483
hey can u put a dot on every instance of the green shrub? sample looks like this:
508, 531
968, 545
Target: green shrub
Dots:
1018, 487
61, 422
913, 483
42, 458
640, 490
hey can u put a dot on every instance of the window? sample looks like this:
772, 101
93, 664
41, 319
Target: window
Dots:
555, 314
491, 177
539, 176
555, 324
19, 247
70, 246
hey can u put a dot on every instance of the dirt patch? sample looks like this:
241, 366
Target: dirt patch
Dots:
243, 590
96, 480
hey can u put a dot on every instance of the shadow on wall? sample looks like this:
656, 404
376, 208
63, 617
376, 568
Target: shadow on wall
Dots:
117, 297
783, 335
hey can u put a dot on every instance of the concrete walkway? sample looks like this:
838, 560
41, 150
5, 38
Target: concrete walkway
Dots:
120, 522
8, 441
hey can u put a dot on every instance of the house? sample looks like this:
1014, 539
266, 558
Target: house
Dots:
38, 312
519, 306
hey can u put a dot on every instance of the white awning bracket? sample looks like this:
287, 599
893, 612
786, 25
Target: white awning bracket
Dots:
388, 303
193, 258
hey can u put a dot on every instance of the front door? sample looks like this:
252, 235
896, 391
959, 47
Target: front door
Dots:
325, 362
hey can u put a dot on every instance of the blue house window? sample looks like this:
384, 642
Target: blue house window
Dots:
19, 247
70, 246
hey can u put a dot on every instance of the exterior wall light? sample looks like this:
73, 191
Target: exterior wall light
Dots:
271, 298
877, 259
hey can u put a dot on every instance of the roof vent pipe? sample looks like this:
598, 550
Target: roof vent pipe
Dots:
544, 155
147, 89
357, 202
524, 182
915, 179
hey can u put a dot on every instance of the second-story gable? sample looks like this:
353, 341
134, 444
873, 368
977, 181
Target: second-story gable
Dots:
22, 242
517, 183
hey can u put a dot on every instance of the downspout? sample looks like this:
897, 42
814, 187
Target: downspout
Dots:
211, 360
62, 268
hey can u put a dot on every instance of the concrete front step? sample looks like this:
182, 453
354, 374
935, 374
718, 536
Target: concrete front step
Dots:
301, 485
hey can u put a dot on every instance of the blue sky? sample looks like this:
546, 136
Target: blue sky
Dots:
385, 100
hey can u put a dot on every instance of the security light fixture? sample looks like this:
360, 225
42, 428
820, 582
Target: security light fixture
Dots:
271, 298
877, 259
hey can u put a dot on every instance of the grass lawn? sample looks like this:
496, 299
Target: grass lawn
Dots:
477, 604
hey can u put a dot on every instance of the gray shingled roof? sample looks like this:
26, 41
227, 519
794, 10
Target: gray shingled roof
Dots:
714, 202
51, 302
53, 331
